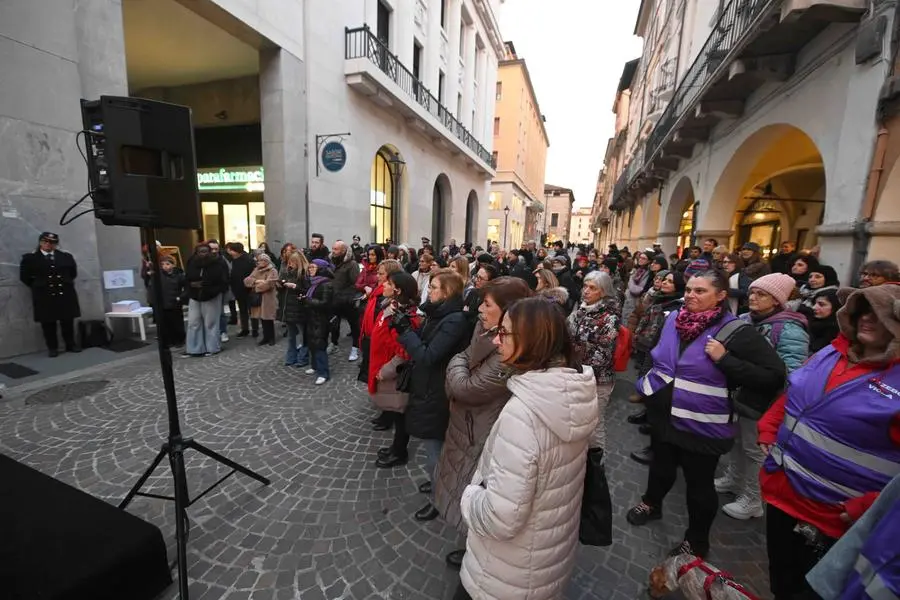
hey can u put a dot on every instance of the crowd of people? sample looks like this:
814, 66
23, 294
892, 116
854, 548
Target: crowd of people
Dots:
501, 363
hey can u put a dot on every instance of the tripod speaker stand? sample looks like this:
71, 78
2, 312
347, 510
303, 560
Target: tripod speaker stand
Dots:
176, 445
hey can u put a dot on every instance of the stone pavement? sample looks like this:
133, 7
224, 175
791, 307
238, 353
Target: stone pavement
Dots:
330, 525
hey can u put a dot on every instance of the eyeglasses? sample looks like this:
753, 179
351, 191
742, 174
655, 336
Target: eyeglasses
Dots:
870, 275
503, 333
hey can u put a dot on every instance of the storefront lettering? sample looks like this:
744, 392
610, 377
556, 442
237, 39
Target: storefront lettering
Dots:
251, 179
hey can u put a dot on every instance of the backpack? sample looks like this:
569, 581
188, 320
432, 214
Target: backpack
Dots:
624, 349
94, 334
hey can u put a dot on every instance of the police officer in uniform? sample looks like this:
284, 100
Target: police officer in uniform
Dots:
50, 273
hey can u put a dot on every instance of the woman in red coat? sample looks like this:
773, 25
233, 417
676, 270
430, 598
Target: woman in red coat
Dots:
367, 325
386, 354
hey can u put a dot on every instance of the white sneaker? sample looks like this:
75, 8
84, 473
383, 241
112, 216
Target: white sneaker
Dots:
354, 354
744, 508
224, 337
726, 485
320, 380
310, 371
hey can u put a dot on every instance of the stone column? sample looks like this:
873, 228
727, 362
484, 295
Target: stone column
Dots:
668, 241
282, 88
101, 67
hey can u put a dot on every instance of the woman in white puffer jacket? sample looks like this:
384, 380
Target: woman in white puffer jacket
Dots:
523, 505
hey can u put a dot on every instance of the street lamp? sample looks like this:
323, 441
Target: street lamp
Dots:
396, 164
506, 227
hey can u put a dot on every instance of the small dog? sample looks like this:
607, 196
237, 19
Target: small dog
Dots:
690, 578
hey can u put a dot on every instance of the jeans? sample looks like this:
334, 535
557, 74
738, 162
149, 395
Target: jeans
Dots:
292, 354
320, 363
699, 473
604, 391
432, 455
203, 326
746, 459
223, 320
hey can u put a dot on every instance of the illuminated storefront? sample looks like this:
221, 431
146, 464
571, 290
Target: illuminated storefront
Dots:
231, 201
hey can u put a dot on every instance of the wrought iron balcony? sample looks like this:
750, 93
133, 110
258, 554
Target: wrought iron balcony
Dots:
361, 42
728, 37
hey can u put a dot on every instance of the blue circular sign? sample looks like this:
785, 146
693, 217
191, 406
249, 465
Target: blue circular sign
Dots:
334, 156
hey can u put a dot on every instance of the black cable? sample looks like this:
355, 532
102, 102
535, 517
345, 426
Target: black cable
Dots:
62, 219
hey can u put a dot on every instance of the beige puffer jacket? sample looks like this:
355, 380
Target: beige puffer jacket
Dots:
523, 506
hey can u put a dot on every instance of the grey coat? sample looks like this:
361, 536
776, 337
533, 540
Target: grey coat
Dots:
476, 387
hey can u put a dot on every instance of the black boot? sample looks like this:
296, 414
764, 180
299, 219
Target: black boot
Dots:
643, 456
638, 418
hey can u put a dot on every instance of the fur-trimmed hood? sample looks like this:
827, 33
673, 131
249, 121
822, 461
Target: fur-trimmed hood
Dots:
885, 303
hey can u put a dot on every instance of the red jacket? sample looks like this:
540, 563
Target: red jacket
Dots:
367, 325
384, 346
777, 490
368, 277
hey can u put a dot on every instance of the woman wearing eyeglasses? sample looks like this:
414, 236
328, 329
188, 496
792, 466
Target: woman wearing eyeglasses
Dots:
522, 507
476, 388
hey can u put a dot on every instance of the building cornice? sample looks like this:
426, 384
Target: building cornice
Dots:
490, 23
537, 107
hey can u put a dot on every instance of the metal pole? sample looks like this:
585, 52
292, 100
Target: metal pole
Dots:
506, 230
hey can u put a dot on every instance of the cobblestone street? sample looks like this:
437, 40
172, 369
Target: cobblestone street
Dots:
330, 525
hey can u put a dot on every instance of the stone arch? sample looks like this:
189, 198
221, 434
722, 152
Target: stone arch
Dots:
472, 217
441, 203
781, 158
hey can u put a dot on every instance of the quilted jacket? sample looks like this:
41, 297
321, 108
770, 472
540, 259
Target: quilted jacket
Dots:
594, 329
476, 387
523, 506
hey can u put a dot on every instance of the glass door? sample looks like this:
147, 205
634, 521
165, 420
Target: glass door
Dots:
236, 226
257, 223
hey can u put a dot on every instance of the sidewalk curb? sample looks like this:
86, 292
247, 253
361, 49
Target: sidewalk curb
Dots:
12, 394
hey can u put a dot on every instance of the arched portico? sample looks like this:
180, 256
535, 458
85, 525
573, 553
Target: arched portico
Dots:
472, 217
771, 191
386, 190
441, 201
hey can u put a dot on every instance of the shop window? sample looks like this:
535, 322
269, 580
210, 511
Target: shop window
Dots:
381, 200
554, 219
496, 125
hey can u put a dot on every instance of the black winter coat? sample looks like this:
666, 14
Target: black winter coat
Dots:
751, 364
52, 284
345, 275
241, 268
523, 270
567, 281
213, 279
289, 307
318, 311
446, 332
173, 290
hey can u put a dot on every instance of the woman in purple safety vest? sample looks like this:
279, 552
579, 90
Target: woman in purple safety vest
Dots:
703, 354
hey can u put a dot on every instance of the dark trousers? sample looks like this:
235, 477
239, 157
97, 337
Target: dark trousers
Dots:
67, 327
400, 445
268, 329
232, 306
244, 312
351, 315
461, 593
790, 557
173, 327
699, 473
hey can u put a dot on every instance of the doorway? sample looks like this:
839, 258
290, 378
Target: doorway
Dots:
234, 218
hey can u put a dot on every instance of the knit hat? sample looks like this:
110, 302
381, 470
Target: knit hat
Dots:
661, 261
322, 263
698, 265
750, 246
777, 285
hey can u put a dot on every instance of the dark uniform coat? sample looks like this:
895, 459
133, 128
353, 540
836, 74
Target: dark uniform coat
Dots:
52, 285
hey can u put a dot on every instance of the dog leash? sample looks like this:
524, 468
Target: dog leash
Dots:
712, 576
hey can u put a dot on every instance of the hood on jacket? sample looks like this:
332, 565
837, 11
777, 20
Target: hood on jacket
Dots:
565, 400
885, 303
558, 294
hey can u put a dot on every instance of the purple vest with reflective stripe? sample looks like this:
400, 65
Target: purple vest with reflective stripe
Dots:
835, 446
700, 400
877, 569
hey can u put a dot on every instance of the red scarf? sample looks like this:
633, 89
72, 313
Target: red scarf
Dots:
690, 325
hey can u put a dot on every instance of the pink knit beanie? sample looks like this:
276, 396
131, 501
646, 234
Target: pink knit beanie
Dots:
777, 285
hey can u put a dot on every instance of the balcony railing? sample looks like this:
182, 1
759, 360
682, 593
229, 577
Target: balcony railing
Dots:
728, 36
360, 42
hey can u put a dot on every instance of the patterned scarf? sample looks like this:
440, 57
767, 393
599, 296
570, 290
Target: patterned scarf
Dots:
690, 325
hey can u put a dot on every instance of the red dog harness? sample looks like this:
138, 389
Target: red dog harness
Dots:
713, 576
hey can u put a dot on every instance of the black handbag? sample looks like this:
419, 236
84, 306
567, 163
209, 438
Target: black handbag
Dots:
595, 528
254, 299
404, 377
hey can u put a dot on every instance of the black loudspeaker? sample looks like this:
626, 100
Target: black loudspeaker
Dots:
141, 162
